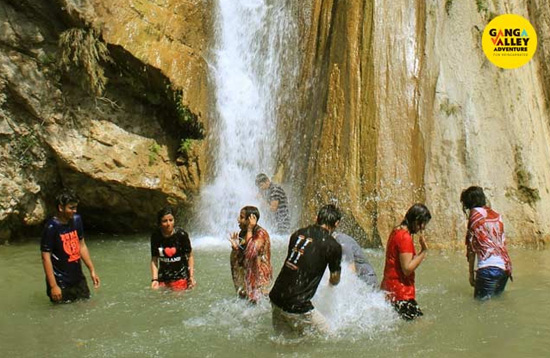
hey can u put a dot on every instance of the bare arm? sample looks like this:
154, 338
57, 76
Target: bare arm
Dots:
252, 221
274, 205
334, 278
234, 240
410, 263
85, 255
191, 262
154, 272
48, 270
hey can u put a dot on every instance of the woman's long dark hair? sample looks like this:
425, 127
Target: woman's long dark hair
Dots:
417, 215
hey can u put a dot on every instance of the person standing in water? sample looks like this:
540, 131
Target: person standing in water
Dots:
353, 255
172, 261
485, 241
402, 261
63, 247
310, 251
277, 200
251, 256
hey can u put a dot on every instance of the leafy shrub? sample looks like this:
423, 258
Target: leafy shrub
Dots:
154, 150
81, 49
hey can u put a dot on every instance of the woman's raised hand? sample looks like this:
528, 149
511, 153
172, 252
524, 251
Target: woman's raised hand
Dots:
234, 240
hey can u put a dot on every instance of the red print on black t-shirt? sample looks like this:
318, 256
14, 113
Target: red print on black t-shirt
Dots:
169, 251
71, 245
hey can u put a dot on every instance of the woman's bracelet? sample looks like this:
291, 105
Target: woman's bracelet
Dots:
155, 279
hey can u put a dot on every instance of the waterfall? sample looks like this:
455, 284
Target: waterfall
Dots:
251, 41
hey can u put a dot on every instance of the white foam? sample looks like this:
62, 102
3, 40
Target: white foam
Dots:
353, 308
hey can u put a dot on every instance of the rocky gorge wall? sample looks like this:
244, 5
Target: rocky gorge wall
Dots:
396, 103
120, 121
400, 105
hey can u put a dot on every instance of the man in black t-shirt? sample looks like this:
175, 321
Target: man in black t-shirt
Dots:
275, 196
63, 247
310, 251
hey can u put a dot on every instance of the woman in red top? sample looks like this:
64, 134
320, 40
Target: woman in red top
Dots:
402, 261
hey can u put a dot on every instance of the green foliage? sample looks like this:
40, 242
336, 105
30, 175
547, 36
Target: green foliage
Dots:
82, 50
482, 6
185, 146
184, 113
190, 122
22, 148
448, 6
449, 108
154, 150
47, 58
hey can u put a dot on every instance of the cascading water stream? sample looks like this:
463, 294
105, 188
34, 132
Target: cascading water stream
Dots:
247, 71
256, 54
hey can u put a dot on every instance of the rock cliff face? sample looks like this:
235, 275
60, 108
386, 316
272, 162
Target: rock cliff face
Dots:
400, 105
396, 104
117, 147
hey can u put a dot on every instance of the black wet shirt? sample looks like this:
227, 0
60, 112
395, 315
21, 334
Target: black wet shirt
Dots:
62, 241
173, 253
310, 251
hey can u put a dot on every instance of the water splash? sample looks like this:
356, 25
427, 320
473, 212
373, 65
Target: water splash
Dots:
354, 309
247, 72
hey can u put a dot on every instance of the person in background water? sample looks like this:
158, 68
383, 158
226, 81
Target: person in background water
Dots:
353, 254
277, 200
251, 256
172, 262
63, 247
310, 251
485, 240
402, 261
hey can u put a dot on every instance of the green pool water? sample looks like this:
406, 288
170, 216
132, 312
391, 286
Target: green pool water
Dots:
124, 318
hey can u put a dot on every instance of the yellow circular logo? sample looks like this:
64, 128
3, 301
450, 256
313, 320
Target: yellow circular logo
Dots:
509, 41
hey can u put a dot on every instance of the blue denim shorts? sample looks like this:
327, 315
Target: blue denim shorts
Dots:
490, 281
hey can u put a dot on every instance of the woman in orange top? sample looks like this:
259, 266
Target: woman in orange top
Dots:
402, 261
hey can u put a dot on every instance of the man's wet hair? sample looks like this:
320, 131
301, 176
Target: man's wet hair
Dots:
473, 197
251, 210
167, 210
329, 215
65, 197
261, 178
417, 214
